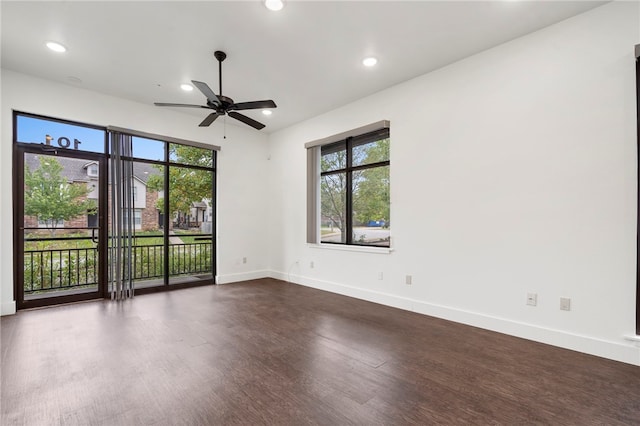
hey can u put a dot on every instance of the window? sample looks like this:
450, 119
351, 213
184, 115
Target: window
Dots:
92, 170
350, 188
137, 218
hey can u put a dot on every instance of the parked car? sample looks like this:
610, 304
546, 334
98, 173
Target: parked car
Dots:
376, 223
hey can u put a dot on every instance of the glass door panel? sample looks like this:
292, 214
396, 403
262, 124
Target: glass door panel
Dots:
191, 225
60, 227
148, 222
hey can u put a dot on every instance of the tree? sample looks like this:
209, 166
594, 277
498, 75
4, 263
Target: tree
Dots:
333, 190
370, 186
51, 198
371, 195
186, 185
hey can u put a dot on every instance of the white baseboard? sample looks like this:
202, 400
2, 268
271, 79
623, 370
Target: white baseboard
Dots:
242, 276
8, 308
623, 351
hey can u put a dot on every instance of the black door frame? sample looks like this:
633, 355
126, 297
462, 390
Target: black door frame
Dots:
637, 55
19, 150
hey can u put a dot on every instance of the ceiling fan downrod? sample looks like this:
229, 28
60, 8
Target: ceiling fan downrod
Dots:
220, 56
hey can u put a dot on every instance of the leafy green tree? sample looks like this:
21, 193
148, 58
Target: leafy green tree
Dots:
51, 198
333, 191
371, 195
186, 185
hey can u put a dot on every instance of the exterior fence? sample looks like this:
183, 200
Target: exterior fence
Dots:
76, 268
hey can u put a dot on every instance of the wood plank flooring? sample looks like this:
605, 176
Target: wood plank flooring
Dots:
270, 352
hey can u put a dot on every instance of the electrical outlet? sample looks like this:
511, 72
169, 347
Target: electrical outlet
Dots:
244, 260
565, 304
408, 280
532, 299
380, 276
311, 265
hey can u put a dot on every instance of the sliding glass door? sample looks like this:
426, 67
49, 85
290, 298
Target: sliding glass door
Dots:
173, 214
89, 218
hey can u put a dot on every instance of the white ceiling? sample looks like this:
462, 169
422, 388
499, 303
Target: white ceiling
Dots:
306, 57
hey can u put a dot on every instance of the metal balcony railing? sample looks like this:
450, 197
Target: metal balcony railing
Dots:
49, 270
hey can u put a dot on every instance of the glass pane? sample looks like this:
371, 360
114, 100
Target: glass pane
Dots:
190, 155
60, 230
333, 208
370, 152
148, 243
371, 205
191, 228
148, 149
333, 157
59, 135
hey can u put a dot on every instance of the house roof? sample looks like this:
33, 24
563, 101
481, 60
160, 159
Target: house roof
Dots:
75, 169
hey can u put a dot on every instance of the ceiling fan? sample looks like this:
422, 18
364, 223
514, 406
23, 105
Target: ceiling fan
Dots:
222, 105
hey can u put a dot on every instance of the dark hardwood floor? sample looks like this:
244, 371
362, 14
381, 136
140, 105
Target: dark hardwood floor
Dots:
269, 352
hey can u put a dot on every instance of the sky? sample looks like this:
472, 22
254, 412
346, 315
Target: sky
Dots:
75, 137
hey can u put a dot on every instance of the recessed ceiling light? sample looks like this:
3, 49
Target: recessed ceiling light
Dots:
274, 5
267, 112
56, 47
186, 87
369, 62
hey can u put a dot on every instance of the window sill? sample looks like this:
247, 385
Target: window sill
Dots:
361, 249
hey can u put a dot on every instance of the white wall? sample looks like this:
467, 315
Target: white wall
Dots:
512, 171
241, 165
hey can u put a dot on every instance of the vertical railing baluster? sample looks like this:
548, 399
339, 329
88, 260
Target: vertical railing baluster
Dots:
60, 269
41, 269
95, 264
135, 261
51, 265
31, 284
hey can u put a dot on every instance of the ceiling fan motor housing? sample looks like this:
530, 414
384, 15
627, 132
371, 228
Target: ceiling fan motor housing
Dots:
225, 103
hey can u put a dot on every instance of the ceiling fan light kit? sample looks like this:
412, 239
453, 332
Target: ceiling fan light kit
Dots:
223, 105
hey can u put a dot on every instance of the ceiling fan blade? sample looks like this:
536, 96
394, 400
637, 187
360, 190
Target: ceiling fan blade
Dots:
206, 90
246, 120
180, 105
253, 105
209, 119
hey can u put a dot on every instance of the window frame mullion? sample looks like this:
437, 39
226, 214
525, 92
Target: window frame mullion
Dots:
349, 194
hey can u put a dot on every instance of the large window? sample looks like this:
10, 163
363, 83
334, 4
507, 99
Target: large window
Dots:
354, 190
